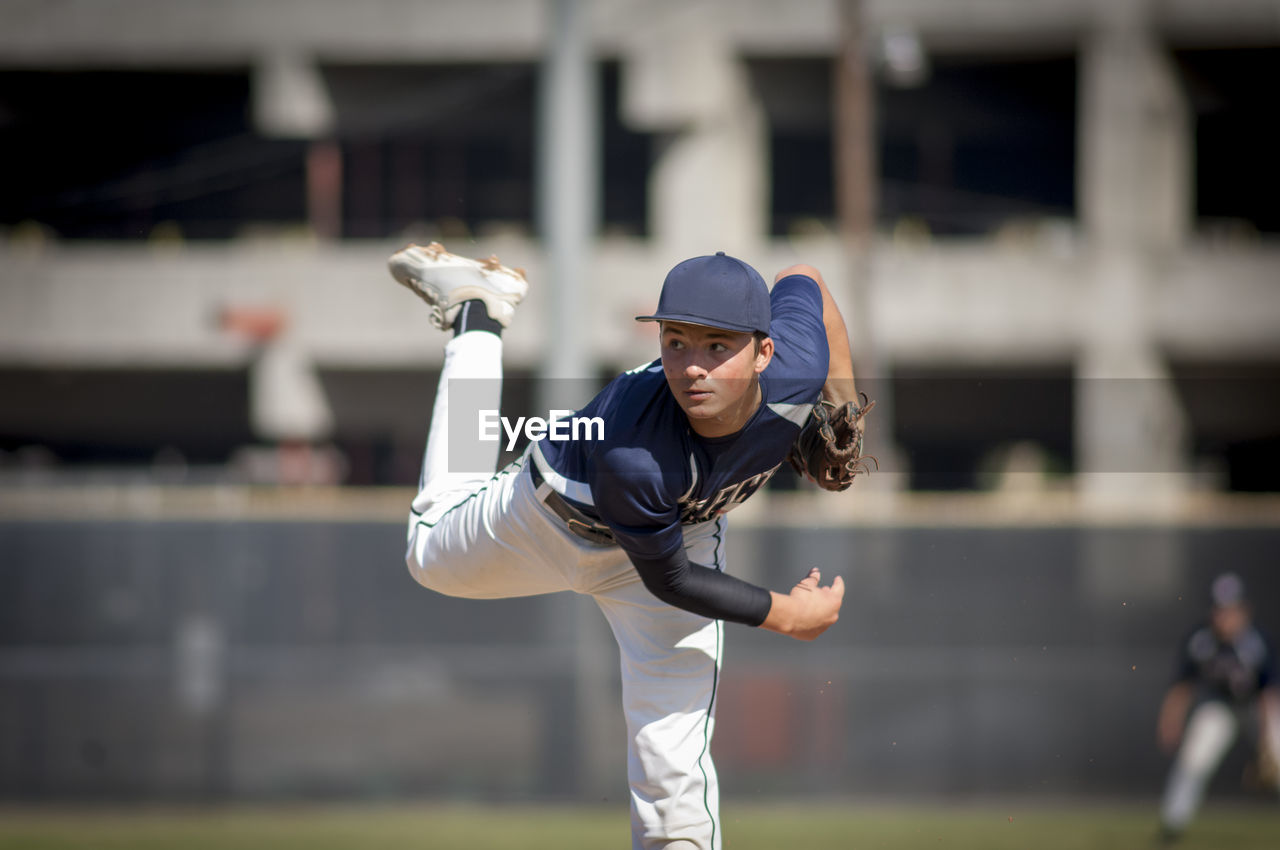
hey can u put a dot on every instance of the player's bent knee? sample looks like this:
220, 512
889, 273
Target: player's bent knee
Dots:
433, 576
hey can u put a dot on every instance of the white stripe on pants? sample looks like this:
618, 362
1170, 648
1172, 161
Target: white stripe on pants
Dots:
482, 536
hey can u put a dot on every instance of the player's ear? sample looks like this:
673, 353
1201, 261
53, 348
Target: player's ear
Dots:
764, 353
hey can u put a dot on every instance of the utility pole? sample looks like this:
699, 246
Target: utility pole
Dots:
568, 192
856, 173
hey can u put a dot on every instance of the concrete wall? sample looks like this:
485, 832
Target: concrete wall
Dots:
965, 301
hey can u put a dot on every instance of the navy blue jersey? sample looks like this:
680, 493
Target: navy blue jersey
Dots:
1233, 672
651, 474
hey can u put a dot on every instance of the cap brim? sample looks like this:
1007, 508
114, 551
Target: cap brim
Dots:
696, 320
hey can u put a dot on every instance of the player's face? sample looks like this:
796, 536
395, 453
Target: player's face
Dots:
1230, 620
714, 375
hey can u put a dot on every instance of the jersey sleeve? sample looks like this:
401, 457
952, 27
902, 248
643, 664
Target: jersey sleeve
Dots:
703, 590
1185, 668
801, 356
639, 502
1267, 670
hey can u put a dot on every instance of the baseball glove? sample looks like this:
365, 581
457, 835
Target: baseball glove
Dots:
828, 449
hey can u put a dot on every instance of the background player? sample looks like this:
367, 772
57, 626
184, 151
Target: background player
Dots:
1226, 677
636, 520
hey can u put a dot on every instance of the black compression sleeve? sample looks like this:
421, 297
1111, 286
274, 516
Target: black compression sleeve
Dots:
702, 590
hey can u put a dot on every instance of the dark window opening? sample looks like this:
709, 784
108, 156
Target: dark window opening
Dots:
627, 159
1236, 136
434, 150
965, 429
106, 417
1233, 422
422, 151
141, 153
981, 143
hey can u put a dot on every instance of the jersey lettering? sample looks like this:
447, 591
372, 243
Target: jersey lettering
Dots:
704, 510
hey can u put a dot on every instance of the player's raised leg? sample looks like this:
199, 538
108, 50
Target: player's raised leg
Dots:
475, 299
472, 532
670, 671
470, 382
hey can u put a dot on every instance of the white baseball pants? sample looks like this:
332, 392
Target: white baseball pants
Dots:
1211, 729
483, 536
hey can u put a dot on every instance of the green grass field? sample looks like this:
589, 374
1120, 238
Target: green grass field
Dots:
747, 827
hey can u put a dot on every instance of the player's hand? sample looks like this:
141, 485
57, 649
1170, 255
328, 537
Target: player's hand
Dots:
1168, 735
1173, 714
808, 610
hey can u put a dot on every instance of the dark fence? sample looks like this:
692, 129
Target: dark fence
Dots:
197, 660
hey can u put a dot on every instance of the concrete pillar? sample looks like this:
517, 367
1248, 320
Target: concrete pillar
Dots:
292, 101
286, 401
1135, 177
709, 186
290, 98
579, 719
568, 182
1134, 188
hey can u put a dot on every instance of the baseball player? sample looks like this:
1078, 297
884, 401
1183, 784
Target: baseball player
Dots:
633, 514
1225, 676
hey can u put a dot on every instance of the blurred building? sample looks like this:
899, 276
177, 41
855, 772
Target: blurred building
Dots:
1051, 226
1074, 265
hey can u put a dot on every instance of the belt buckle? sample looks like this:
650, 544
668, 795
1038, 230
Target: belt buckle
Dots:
588, 532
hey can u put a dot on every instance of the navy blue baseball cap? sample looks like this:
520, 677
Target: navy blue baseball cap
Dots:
716, 291
1227, 590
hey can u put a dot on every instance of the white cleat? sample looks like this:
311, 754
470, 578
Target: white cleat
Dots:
446, 280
